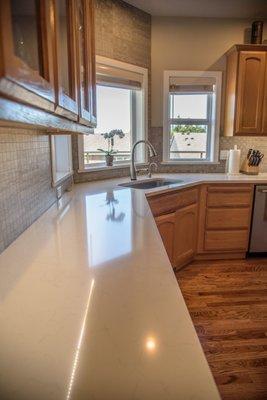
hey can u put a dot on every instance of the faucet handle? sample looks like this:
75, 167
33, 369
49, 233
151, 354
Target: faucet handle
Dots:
151, 165
141, 170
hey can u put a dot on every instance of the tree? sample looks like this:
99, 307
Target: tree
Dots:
186, 130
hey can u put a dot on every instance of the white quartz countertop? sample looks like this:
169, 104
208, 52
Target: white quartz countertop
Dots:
90, 307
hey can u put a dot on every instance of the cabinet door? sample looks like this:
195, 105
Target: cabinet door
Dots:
250, 92
185, 235
264, 123
86, 61
26, 43
166, 227
66, 71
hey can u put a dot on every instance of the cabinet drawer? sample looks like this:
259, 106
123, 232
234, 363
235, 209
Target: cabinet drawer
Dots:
224, 218
229, 197
167, 203
226, 240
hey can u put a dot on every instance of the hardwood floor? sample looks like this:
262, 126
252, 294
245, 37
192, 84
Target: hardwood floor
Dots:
227, 301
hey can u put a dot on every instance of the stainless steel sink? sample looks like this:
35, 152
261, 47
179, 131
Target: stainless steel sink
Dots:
150, 183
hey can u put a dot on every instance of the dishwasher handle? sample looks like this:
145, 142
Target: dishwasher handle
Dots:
262, 190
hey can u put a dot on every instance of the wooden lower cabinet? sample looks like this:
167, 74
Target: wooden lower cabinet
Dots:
225, 240
186, 223
166, 227
228, 218
206, 222
224, 222
178, 229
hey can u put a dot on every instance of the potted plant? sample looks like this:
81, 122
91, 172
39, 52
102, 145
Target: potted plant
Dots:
110, 137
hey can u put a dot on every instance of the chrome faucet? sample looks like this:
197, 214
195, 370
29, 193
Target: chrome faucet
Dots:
152, 153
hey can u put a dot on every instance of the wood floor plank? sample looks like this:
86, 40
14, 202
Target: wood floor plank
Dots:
227, 301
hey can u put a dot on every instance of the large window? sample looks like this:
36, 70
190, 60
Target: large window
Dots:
191, 116
121, 105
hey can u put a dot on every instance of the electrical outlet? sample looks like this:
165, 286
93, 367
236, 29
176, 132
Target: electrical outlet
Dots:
224, 154
59, 192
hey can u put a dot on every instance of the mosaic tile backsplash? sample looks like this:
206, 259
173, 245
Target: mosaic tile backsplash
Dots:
156, 137
226, 143
25, 181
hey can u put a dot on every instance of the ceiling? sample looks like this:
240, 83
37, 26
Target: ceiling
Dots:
204, 8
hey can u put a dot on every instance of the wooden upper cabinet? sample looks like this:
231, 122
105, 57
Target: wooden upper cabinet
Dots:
26, 47
250, 92
47, 64
245, 109
264, 122
86, 61
66, 62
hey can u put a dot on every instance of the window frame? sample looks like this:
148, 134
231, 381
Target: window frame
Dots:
128, 67
212, 120
62, 154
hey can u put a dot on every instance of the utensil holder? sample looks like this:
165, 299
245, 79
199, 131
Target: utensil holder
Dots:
249, 169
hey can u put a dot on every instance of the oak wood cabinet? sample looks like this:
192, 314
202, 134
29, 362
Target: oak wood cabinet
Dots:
86, 62
66, 61
204, 222
166, 227
47, 64
224, 220
186, 224
246, 103
26, 61
176, 216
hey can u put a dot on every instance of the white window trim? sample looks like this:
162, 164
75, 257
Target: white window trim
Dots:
59, 176
214, 142
128, 67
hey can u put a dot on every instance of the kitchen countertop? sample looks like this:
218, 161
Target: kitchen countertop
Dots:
90, 307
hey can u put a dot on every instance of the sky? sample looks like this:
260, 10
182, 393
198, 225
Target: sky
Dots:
113, 109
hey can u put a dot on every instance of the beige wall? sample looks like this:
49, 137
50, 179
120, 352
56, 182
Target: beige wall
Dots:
190, 44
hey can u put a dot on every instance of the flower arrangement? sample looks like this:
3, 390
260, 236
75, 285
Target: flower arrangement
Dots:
110, 137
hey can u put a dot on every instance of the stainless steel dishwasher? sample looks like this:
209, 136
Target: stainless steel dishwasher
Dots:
258, 237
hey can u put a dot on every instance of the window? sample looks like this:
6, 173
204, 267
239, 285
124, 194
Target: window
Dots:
121, 104
191, 116
61, 155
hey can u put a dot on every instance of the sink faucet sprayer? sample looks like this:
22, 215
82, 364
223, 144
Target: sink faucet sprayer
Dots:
152, 153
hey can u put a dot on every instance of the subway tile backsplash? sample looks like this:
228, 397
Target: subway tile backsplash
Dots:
25, 181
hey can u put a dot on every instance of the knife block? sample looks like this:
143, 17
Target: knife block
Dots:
249, 169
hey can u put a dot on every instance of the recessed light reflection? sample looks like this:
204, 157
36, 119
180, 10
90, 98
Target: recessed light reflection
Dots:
151, 344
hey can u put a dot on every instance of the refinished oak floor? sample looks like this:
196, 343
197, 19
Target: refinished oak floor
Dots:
227, 301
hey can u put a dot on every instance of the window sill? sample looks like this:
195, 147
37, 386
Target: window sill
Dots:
106, 168
190, 162
61, 177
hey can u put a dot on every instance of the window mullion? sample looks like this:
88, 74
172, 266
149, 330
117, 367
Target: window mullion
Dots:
185, 121
209, 126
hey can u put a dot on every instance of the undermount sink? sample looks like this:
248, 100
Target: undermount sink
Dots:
150, 183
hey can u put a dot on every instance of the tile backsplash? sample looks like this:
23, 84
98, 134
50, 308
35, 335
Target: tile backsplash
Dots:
226, 143
244, 143
25, 181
